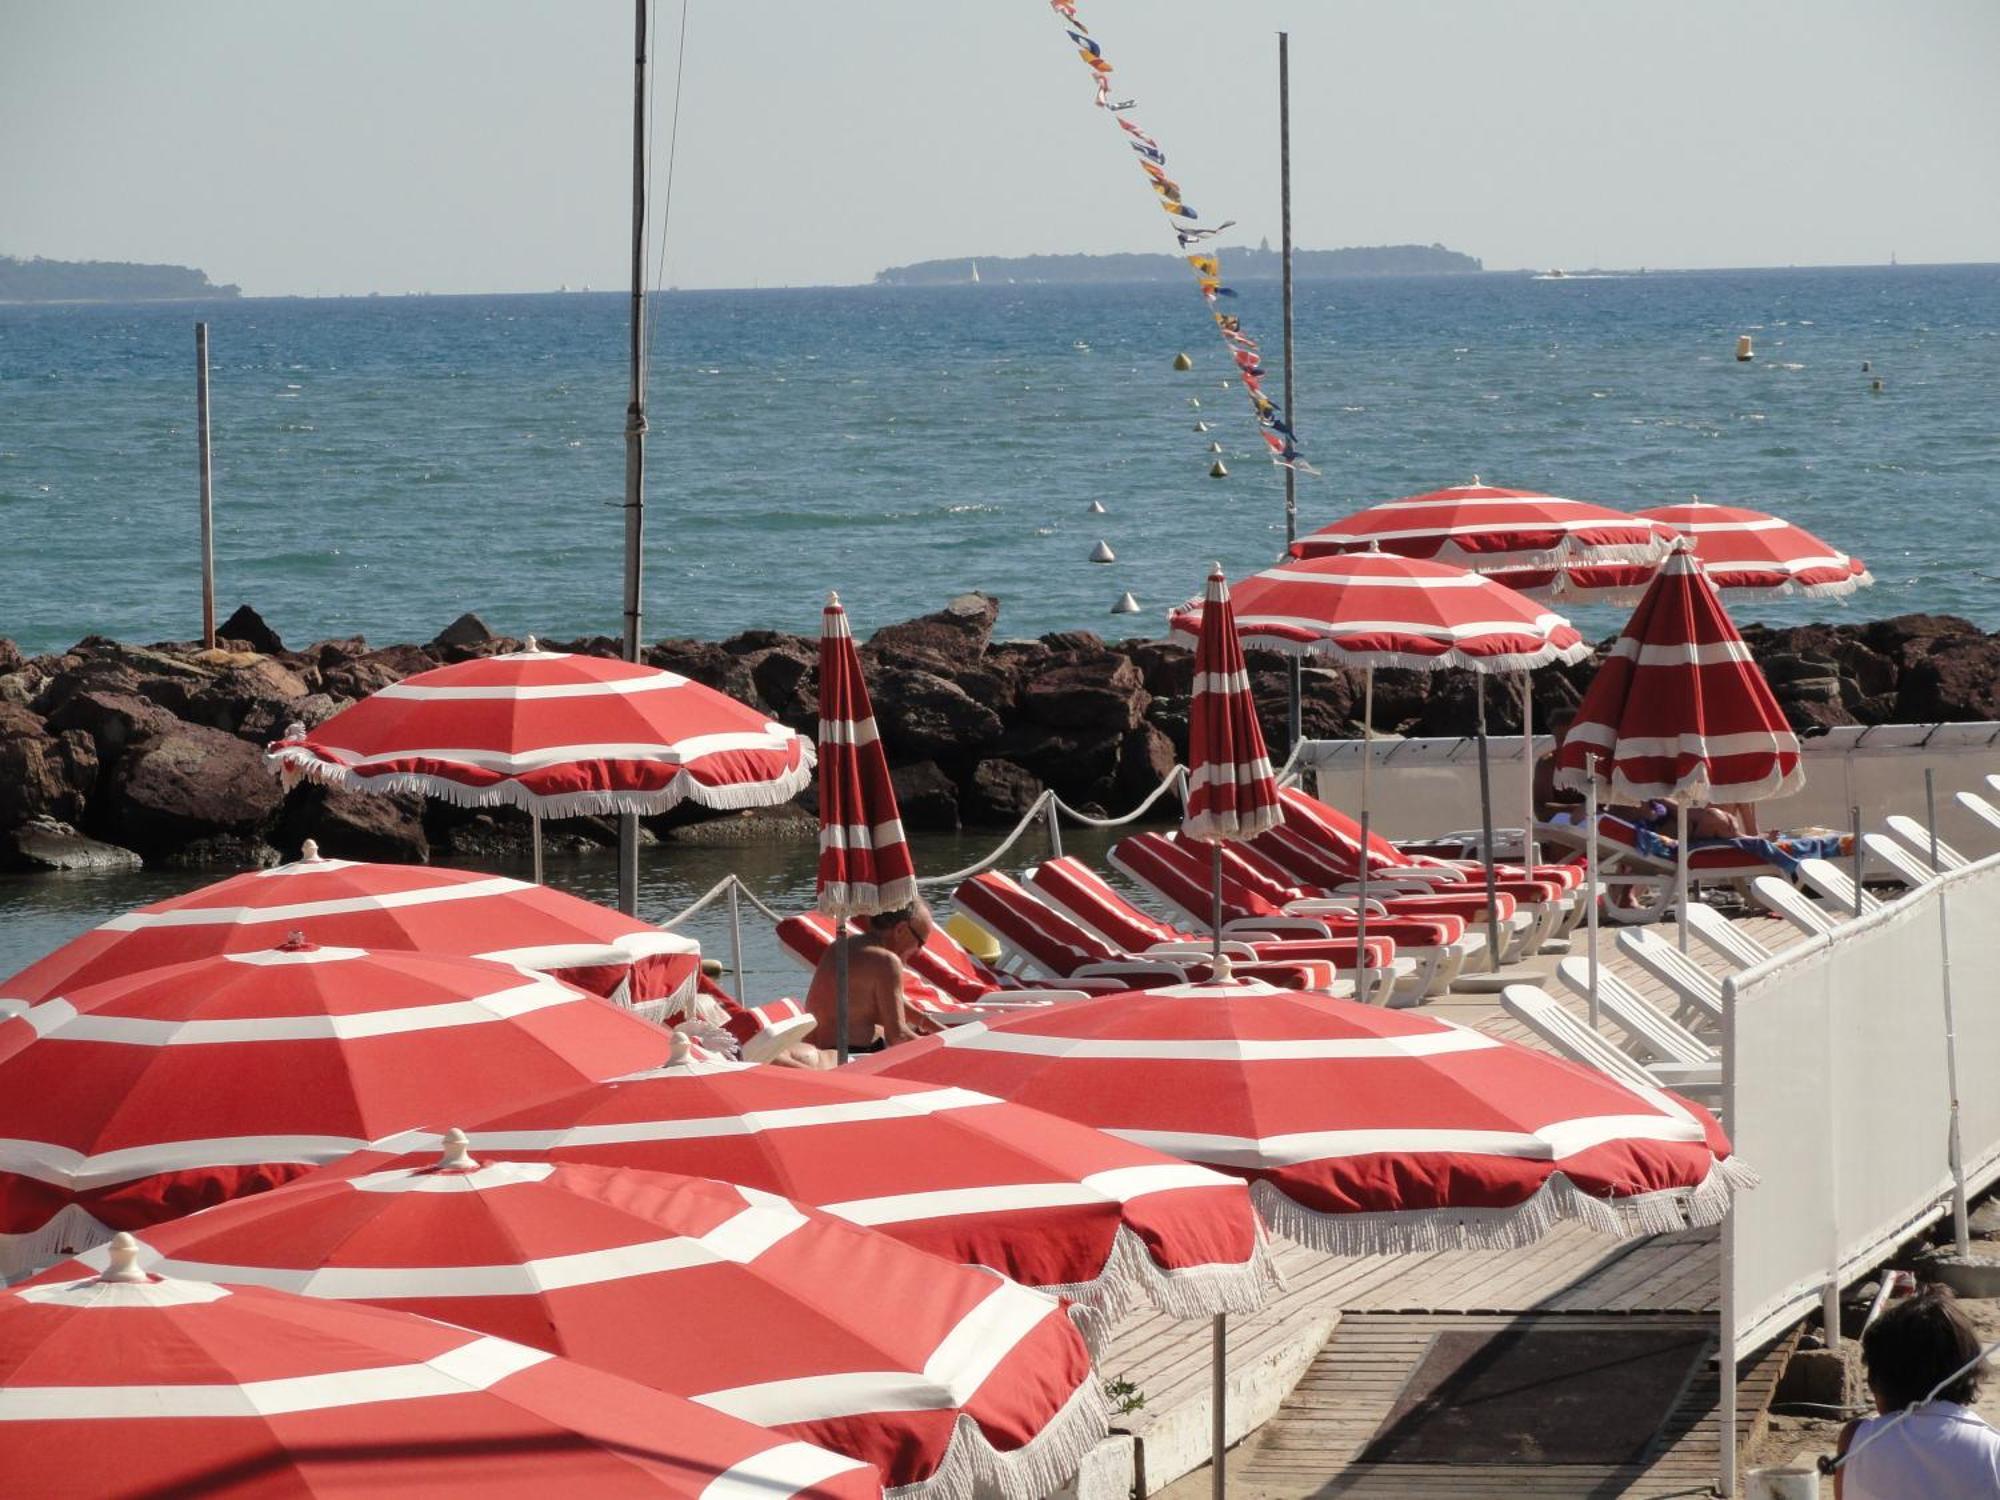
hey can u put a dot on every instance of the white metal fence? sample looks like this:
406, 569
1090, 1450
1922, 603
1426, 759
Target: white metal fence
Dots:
1838, 1088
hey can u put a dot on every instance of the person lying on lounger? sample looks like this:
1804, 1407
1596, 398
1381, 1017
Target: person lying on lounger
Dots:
876, 1014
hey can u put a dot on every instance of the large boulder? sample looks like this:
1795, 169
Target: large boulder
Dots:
112, 720
42, 774
44, 845
255, 699
923, 716
1958, 681
1167, 669
355, 677
1145, 758
709, 663
997, 792
357, 825
11, 659
957, 634
1087, 689
1081, 765
186, 784
926, 797
248, 627
466, 632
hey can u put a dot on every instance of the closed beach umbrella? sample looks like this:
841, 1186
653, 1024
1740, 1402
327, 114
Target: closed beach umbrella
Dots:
864, 859
1362, 1130
1048, 1203
1747, 549
1531, 540
144, 1098
556, 734
389, 908
1680, 711
948, 1380
129, 1384
1377, 608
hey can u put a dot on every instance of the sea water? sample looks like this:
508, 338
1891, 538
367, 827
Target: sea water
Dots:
383, 464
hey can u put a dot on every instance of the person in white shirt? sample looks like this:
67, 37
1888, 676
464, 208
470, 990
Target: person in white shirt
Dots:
1937, 1449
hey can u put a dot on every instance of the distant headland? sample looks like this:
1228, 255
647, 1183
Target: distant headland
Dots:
1239, 263
39, 280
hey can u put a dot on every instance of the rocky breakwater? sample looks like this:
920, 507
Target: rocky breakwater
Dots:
111, 753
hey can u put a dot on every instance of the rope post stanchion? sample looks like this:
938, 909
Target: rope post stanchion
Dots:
1055, 829
736, 939
1486, 832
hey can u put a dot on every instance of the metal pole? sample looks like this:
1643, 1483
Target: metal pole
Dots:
1726, 1299
535, 844
1854, 817
1529, 856
1215, 883
1055, 828
1593, 891
635, 441
1361, 912
1961, 1230
1218, 1402
1486, 833
1681, 875
207, 488
840, 988
1295, 720
736, 940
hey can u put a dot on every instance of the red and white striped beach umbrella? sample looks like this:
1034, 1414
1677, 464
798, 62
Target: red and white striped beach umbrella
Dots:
557, 735
1109, 1225
134, 1385
948, 1380
1679, 709
389, 908
864, 859
1747, 549
1531, 540
1381, 609
1232, 793
1361, 1129
147, 1097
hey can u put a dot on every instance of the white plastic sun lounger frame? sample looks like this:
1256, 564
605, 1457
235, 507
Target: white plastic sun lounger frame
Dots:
1835, 887
1651, 1030
1570, 1036
1724, 938
1782, 899
1904, 864
1698, 992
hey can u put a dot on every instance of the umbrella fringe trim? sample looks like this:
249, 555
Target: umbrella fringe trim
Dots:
1696, 787
1558, 1201
972, 1467
510, 793
844, 898
1452, 660
71, 1230
1131, 1278
1211, 827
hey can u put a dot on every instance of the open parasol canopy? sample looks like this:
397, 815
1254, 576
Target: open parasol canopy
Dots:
1041, 1200
1748, 549
389, 908
947, 1379
557, 735
129, 1384
1362, 1130
147, 1097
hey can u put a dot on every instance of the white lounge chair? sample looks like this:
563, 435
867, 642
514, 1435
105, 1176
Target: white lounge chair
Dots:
1723, 937
1913, 836
1651, 1030
1987, 814
1836, 887
1698, 991
1781, 898
1901, 862
1566, 1034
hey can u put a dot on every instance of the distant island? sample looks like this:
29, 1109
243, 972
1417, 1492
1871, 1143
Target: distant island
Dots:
1239, 263
39, 280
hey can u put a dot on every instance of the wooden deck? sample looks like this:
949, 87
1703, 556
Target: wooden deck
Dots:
1376, 1314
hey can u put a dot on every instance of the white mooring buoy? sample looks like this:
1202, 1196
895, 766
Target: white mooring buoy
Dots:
1195, 402
1201, 427
1216, 470
1097, 507
1183, 362
1126, 604
1102, 553
1743, 353
1215, 447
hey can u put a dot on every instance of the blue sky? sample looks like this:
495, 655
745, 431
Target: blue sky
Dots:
447, 145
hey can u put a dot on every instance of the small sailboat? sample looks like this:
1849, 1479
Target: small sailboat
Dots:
975, 273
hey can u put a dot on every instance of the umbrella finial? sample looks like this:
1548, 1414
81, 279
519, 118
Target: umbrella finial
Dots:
529, 643
1221, 970
678, 1049
457, 1154
309, 852
124, 1263
832, 599
297, 942
1475, 482
296, 730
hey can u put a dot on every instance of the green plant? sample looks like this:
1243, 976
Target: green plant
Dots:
1124, 1396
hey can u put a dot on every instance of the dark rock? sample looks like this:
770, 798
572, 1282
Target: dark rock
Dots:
483, 835
247, 626
11, 659
925, 796
709, 663
997, 793
42, 775
753, 825
255, 699
785, 677
1907, 639
1146, 757
113, 720
47, 845
755, 642
19, 687
924, 716
466, 631
1958, 681
589, 645
1099, 690
357, 825
188, 783
958, 633
1073, 640
221, 851
1166, 669
1079, 765
331, 653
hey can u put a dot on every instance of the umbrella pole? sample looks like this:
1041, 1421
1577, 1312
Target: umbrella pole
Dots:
1486, 832
1215, 895
1361, 902
1593, 891
535, 844
1681, 875
1218, 1402
635, 439
1530, 856
840, 989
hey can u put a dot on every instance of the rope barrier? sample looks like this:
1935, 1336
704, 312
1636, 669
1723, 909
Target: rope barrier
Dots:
711, 895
